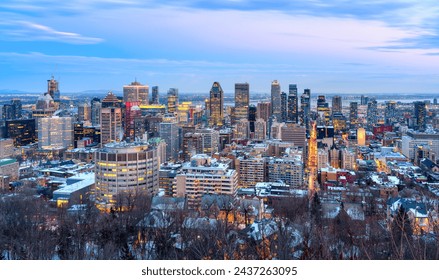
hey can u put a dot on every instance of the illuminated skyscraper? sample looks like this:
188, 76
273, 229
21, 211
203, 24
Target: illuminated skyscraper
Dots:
172, 100
312, 162
216, 104
361, 137
242, 99
136, 92
276, 103
323, 109
292, 110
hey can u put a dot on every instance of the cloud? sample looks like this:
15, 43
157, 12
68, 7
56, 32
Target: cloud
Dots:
30, 31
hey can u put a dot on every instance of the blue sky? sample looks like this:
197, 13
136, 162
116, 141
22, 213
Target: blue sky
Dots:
332, 46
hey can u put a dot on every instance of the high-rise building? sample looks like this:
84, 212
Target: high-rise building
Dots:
111, 100
420, 113
348, 159
292, 132
210, 140
124, 171
251, 170
353, 114
284, 106
22, 132
8, 112
167, 174
263, 110
338, 121
390, 114
252, 112
205, 175
372, 113
242, 99
305, 107
45, 107
55, 132
84, 112
323, 109
155, 95
260, 130
132, 113
276, 101
312, 161
172, 100
364, 100
96, 111
136, 92
111, 125
242, 129
361, 137
292, 108
216, 104
53, 89
287, 170
192, 145
336, 104
169, 131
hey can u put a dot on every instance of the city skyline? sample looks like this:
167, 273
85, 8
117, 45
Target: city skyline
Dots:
326, 46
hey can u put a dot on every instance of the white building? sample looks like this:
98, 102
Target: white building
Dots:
55, 132
205, 175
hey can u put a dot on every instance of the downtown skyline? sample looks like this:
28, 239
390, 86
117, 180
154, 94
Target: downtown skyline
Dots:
328, 46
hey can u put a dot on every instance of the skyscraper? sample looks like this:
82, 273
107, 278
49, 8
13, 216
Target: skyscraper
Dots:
136, 92
169, 131
305, 107
283, 106
323, 109
155, 95
276, 103
420, 112
242, 99
96, 111
84, 112
336, 104
353, 114
111, 125
216, 104
292, 110
53, 89
390, 115
372, 113
172, 100
263, 110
